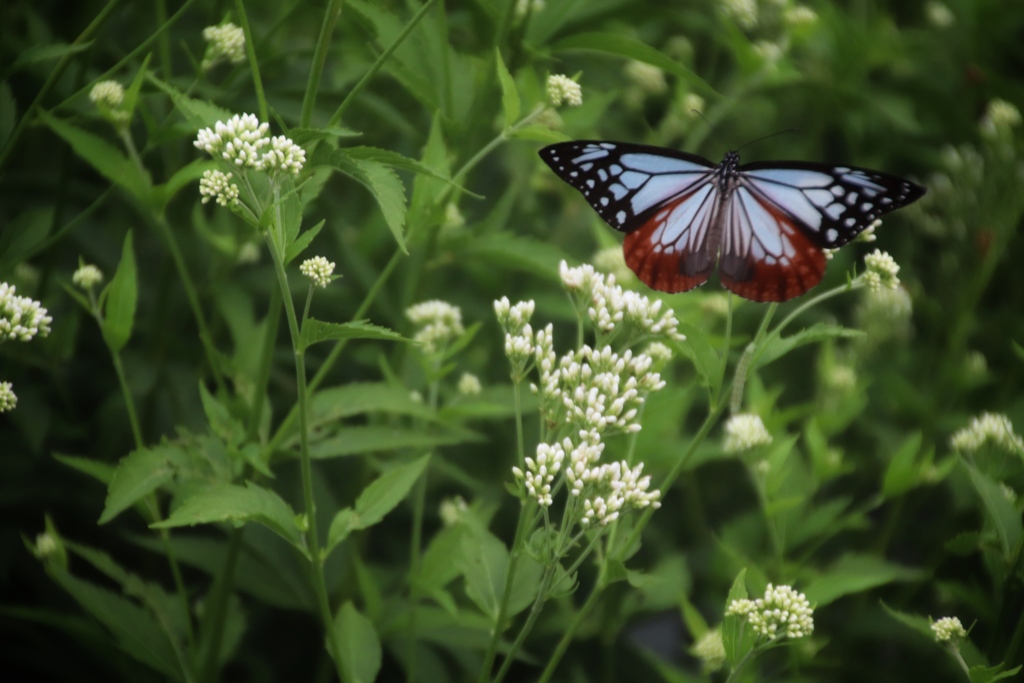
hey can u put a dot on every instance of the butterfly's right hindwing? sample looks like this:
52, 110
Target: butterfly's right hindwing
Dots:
626, 183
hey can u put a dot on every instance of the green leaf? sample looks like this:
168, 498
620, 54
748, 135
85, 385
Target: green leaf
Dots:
513, 252
136, 630
509, 94
1004, 516
359, 398
484, 563
137, 475
100, 471
222, 424
104, 157
693, 619
300, 243
302, 136
737, 637
378, 499
131, 94
380, 439
986, 674
776, 347
198, 114
23, 234
698, 349
46, 53
436, 569
912, 621
855, 573
390, 158
186, 175
358, 644
120, 299
385, 186
539, 134
314, 331
624, 46
902, 474
230, 502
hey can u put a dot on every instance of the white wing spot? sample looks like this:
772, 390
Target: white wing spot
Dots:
831, 234
602, 174
615, 169
620, 217
865, 206
587, 166
851, 198
838, 190
618, 190
834, 211
633, 180
887, 201
590, 183
850, 222
590, 155
604, 201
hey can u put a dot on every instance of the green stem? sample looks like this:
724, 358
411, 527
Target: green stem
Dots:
164, 48
215, 615
316, 560
375, 67
55, 75
316, 69
266, 362
254, 65
567, 637
740, 664
129, 403
535, 610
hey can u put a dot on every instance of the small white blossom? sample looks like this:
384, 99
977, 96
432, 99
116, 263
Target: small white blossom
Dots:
649, 78
948, 628
987, 427
1008, 492
248, 253
613, 262
21, 317
439, 323
531, 6
1001, 115
744, 432
710, 650
564, 90
781, 613
469, 384
744, 12
107, 94
659, 353
225, 42
882, 271
283, 155
46, 545
238, 141
87, 276
318, 269
693, 104
800, 15
615, 488
769, 51
217, 185
541, 471
939, 15
452, 509
715, 304
840, 377
453, 218
8, 400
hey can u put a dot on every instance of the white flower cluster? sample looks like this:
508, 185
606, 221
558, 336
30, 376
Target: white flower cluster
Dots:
648, 78
451, 510
769, 51
939, 15
881, 271
469, 384
226, 41
532, 6
948, 628
318, 269
987, 427
1001, 115
611, 260
218, 186
21, 318
564, 90
87, 276
439, 323
744, 12
744, 432
107, 94
7, 398
782, 612
800, 15
515, 321
241, 140
615, 487
710, 650
608, 305
541, 471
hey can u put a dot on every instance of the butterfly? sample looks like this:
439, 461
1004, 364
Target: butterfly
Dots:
767, 224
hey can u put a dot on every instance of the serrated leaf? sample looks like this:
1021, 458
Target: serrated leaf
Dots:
121, 297
385, 186
300, 243
47, 53
219, 418
358, 398
987, 674
902, 474
854, 573
625, 46
186, 175
705, 360
912, 621
301, 136
314, 331
102, 156
131, 93
198, 114
233, 503
737, 637
776, 347
386, 492
137, 475
509, 93
358, 644
483, 560
23, 234
396, 160
381, 439
100, 471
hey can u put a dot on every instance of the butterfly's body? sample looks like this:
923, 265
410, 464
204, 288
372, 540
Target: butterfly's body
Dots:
765, 224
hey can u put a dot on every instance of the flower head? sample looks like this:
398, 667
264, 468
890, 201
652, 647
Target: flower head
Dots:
439, 323
800, 15
1001, 116
949, 629
452, 509
613, 488
743, 12
87, 276
21, 318
318, 269
611, 260
744, 432
564, 90
881, 271
541, 471
225, 42
217, 185
650, 78
987, 427
939, 15
283, 155
710, 650
108, 94
238, 141
781, 613
8, 400
469, 384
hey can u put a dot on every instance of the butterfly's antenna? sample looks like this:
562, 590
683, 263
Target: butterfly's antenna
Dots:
779, 132
699, 113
